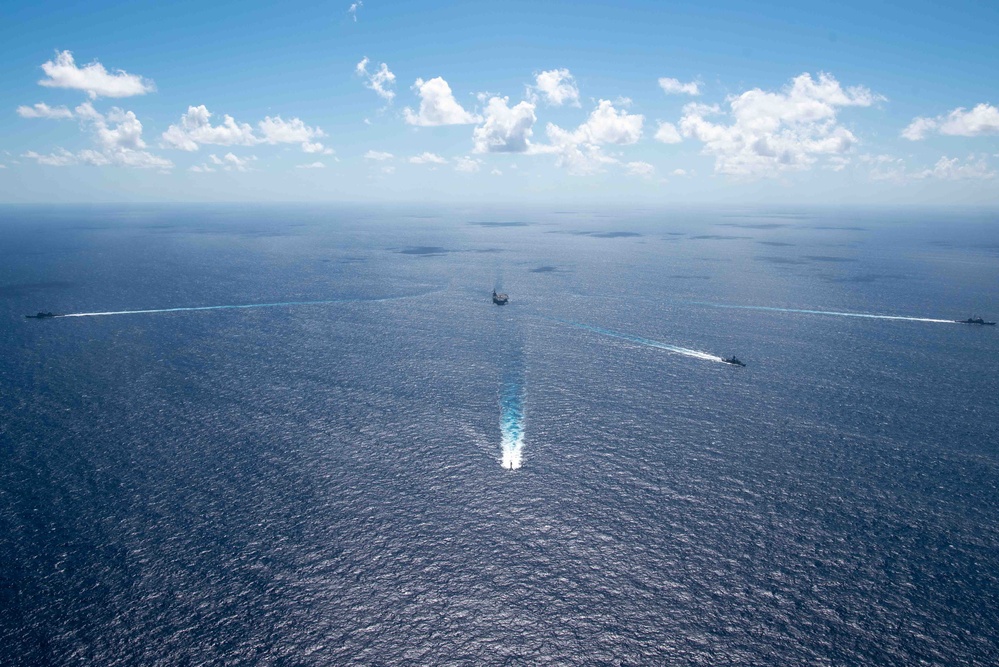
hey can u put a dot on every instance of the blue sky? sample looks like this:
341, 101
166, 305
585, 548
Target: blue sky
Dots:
650, 102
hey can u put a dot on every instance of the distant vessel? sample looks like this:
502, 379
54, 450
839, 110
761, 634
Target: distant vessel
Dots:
41, 316
976, 320
733, 360
500, 299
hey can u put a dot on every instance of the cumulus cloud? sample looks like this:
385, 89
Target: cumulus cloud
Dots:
505, 129
679, 172
427, 158
981, 120
231, 162
117, 138
607, 125
952, 169
279, 131
312, 165
668, 134
201, 169
379, 156
891, 168
642, 169
770, 133
42, 110
578, 157
195, 128
675, 87
580, 150
557, 86
467, 164
60, 159
437, 106
93, 79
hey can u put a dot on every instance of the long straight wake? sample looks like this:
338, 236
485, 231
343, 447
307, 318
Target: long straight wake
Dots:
870, 316
276, 304
686, 351
511, 423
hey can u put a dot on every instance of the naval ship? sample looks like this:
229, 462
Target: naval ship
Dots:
500, 299
976, 320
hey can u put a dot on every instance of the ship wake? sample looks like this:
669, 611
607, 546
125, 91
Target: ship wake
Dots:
246, 306
870, 316
685, 351
511, 424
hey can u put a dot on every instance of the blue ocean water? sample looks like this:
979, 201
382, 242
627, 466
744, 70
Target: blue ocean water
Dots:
367, 462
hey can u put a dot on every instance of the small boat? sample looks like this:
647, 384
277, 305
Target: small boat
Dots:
41, 316
976, 320
733, 360
500, 299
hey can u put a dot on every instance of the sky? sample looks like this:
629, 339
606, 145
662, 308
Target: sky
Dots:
830, 103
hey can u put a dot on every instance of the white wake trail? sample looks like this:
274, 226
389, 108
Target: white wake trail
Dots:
686, 351
871, 316
240, 306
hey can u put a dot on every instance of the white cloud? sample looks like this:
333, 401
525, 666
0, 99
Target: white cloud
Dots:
118, 139
576, 156
93, 79
580, 151
42, 110
279, 131
919, 128
201, 169
675, 87
668, 134
316, 147
606, 125
981, 120
678, 172
388, 169
352, 11
378, 155
642, 169
890, 168
466, 164
951, 169
60, 159
312, 165
775, 132
437, 106
427, 158
558, 87
837, 163
505, 130
231, 162
378, 80
496, 172
195, 128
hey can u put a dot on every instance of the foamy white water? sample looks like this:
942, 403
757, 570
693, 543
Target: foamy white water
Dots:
512, 423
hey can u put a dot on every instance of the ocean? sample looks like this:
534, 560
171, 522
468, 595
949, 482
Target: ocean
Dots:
304, 435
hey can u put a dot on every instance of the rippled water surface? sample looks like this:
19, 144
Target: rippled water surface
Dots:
356, 458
